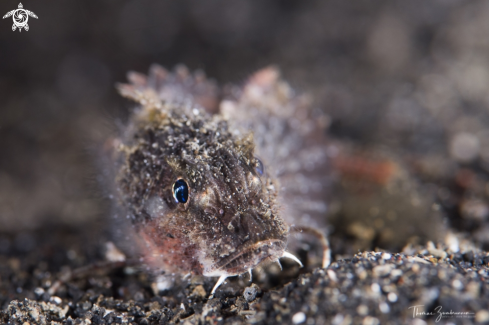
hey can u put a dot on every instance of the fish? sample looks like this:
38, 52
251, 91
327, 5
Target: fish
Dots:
215, 180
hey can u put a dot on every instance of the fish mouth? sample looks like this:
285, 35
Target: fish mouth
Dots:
248, 257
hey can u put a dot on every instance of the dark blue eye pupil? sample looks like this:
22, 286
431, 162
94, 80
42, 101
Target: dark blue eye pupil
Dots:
180, 191
259, 167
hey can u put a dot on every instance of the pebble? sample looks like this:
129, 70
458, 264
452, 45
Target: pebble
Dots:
368, 289
332, 276
473, 288
457, 284
386, 256
251, 292
384, 307
362, 310
452, 242
396, 273
439, 253
299, 318
375, 287
338, 319
199, 291
392, 297
482, 316
382, 270
56, 300
369, 320
464, 147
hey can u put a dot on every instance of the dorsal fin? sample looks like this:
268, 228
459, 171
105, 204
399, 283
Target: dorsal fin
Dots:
176, 86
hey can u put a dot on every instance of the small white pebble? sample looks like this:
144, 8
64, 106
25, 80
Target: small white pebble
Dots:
384, 307
386, 256
392, 297
452, 242
39, 291
464, 147
299, 318
482, 316
439, 253
195, 111
332, 275
418, 259
381, 270
34, 313
338, 319
457, 284
396, 273
375, 287
362, 310
56, 300
113, 254
161, 283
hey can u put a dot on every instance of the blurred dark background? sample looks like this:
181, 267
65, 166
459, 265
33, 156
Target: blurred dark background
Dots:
411, 78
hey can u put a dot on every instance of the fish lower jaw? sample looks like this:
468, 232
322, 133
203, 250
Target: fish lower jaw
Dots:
246, 259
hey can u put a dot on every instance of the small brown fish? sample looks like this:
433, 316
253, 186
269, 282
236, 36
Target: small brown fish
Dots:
211, 186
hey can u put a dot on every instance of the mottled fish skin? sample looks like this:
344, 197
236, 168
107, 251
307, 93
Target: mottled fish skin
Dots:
250, 162
289, 136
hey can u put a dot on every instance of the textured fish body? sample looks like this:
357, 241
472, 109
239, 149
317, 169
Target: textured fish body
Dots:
289, 137
243, 162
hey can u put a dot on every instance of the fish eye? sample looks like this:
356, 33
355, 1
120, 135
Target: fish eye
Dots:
180, 191
260, 169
